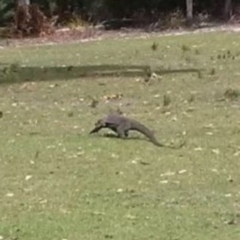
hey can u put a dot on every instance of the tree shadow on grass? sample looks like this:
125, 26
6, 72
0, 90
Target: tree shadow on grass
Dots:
15, 73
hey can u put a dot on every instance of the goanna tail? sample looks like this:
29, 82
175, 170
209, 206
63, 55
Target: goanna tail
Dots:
137, 126
149, 134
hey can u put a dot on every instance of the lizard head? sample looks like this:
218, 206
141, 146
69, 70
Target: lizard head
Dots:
100, 123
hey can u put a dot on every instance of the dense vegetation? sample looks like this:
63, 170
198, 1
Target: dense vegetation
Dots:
98, 10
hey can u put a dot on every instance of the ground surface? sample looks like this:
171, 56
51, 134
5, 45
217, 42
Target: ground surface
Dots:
59, 183
68, 35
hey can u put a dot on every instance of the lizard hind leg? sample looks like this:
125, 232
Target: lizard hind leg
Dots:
122, 132
123, 128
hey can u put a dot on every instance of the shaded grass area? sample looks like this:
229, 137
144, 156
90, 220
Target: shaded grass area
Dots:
15, 73
59, 183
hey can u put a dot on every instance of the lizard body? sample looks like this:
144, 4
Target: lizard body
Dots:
122, 125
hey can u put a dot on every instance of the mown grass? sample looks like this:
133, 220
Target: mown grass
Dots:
57, 182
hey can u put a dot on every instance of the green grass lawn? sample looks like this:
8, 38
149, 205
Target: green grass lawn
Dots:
57, 182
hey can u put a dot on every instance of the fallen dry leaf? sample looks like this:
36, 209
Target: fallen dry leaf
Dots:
167, 174
182, 171
10, 194
216, 151
198, 149
28, 177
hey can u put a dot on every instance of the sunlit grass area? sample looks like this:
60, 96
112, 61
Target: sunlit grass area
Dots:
57, 182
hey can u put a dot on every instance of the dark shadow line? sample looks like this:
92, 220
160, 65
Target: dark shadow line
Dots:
16, 73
